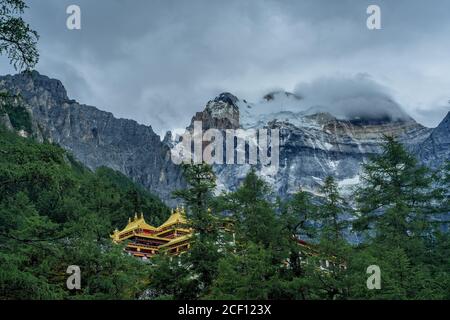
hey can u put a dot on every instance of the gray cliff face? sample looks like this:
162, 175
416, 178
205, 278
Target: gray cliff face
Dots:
313, 143
220, 113
95, 137
314, 146
16, 116
6, 122
335, 147
436, 148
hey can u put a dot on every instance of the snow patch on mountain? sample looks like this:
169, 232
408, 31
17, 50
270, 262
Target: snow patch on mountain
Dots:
331, 137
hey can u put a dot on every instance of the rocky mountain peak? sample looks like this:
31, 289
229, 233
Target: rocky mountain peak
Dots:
219, 113
30, 84
445, 124
168, 139
96, 137
442, 131
435, 150
228, 98
314, 142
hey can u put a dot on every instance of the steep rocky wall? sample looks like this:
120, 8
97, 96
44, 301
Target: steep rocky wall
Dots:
96, 137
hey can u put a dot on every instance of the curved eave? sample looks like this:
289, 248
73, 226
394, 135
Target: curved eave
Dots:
149, 236
175, 229
175, 218
176, 240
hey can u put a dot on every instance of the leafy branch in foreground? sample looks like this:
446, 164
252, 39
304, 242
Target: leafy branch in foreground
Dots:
17, 40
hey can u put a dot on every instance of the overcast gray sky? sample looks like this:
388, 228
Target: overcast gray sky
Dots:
159, 61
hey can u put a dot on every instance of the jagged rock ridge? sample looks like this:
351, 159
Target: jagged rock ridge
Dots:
316, 144
96, 137
436, 148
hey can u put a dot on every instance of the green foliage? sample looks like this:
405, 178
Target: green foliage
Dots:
398, 205
55, 213
171, 278
442, 190
329, 214
17, 40
265, 261
250, 274
394, 184
120, 197
296, 215
198, 197
19, 116
201, 261
254, 267
254, 215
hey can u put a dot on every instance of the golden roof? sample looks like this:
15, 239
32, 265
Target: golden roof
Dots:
136, 223
176, 240
177, 216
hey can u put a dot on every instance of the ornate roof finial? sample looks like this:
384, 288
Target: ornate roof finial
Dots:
142, 215
129, 220
135, 216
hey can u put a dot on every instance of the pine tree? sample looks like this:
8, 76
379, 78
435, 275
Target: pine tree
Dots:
205, 251
297, 214
296, 217
198, 196
395, 198
442, 189
250, 274
326, 269
52, 215
397, 207
255, 216
329, 213
171, 279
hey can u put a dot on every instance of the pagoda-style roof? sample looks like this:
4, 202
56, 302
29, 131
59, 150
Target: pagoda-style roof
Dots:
136, 223
177, 217
176, 240
145, 240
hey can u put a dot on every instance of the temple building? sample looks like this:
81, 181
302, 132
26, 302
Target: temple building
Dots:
144, 240
174, 237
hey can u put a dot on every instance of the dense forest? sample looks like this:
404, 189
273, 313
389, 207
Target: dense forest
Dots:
54, 212
400, 210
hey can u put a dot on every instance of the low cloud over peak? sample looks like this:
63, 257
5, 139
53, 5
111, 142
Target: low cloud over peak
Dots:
350, 97
159, 62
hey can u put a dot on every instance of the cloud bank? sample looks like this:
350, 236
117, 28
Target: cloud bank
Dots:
160, 61
357, 97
